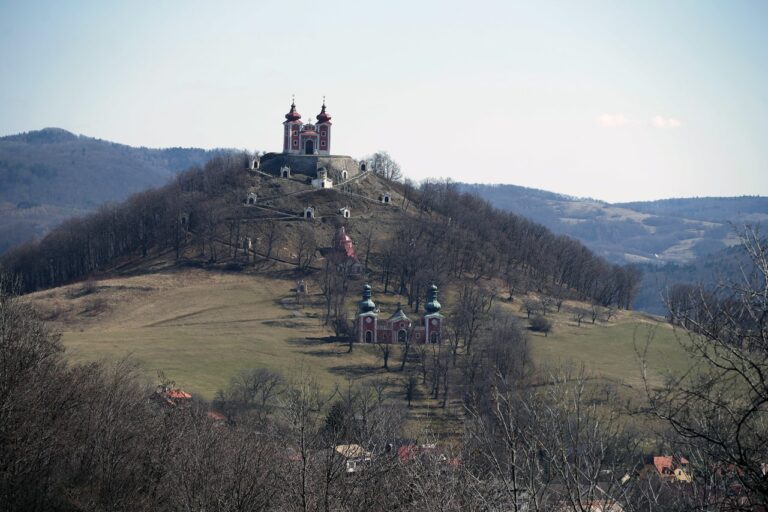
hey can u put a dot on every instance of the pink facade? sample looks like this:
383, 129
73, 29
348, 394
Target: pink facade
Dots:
398, 328
307, 139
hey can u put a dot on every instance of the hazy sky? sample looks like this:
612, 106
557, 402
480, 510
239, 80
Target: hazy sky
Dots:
613, 100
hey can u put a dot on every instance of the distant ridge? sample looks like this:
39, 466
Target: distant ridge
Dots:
675, 230
51, 174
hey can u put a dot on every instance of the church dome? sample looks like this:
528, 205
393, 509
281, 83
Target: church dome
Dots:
366, 305
293, 115
323, 116
432, 306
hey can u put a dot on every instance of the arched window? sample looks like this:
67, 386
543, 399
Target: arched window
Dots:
402, 336
434, 337
369, 336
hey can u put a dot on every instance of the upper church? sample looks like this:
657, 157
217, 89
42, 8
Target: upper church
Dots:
307, 139
307, 151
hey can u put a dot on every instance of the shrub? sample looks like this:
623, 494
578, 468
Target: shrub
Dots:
541, 324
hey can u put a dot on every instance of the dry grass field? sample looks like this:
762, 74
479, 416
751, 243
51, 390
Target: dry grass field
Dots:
199, 327
202, 327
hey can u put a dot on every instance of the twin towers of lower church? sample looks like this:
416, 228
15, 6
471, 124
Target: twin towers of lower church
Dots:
307, 139
398, 328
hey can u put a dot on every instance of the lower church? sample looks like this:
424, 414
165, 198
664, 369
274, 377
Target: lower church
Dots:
398, 328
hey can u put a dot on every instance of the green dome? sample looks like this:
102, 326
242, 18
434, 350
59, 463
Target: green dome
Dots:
432, 305
366, 305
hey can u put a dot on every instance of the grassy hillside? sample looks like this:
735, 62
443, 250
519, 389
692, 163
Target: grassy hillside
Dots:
198, 327
202, 327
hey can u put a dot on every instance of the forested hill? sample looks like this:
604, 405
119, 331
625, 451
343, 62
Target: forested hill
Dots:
49, 175
432, 234
671, 230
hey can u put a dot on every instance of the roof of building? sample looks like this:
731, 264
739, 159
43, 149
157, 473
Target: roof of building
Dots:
293, 114
323, 116
667, 462
432, 306
343, 244
352, 451
178, 394
366, 305
399, 314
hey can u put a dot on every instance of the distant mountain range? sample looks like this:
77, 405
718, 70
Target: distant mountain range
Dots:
689, 240
669, 230
49, 175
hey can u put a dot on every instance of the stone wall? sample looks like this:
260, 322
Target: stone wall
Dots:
309, 165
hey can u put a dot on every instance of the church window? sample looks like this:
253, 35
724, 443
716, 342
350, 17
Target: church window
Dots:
402, 335
434, 337
322, 133
368, 337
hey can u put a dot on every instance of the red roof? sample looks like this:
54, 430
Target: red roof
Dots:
342, 244
323, 117
666, 464
178, 394
293, 115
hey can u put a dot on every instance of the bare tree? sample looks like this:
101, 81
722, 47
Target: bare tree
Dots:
383, 165
719, 406
410, 386
305, 246
578, 315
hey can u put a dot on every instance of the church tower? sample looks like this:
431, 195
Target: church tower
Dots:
367, 318
291, 128
433, 320
324, 129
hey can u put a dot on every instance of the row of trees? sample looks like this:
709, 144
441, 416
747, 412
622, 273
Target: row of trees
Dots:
199, 200
471, 239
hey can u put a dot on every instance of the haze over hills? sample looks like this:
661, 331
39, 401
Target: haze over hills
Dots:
670, 230
49, 175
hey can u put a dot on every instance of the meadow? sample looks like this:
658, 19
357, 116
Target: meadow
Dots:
199, 328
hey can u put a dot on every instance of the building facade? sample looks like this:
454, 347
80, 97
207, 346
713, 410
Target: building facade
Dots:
398, 328
306, 139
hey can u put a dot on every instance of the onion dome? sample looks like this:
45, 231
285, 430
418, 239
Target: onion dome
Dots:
323, 117
366, 305
293, 115
432, 306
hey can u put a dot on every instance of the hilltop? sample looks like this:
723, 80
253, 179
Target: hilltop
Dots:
49, 175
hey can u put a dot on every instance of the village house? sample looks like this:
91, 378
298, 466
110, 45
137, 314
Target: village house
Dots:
355, 457
171, 397
669, 468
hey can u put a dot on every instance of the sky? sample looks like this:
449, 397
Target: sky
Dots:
618, 101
